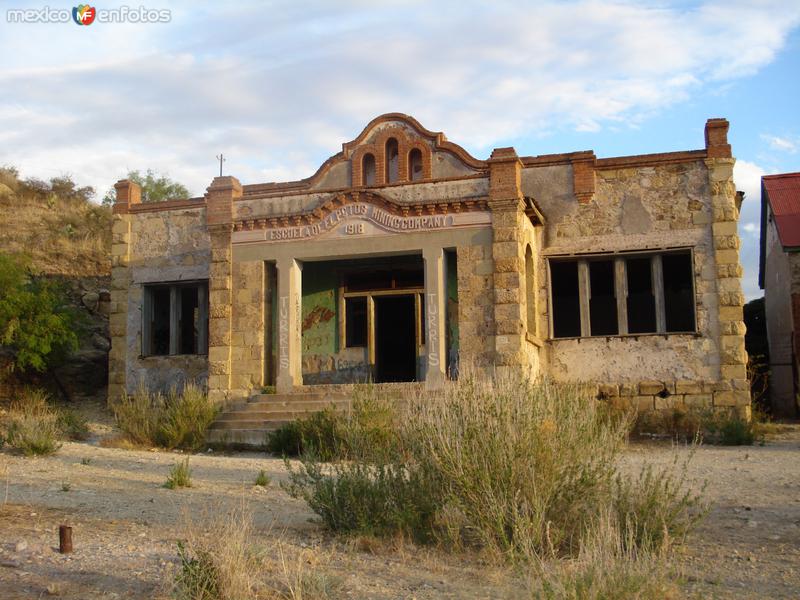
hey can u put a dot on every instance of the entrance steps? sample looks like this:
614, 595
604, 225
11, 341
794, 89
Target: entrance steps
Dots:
247, 423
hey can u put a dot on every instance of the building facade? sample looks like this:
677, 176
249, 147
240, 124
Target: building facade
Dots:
779, 277
403, 258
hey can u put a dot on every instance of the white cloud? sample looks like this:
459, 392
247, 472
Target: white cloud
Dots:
783, 144
747, 176
279, 90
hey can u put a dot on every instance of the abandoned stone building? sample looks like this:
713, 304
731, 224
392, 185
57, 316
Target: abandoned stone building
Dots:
404, 258
779, 277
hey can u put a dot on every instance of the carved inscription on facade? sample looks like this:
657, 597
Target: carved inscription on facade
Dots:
361, 210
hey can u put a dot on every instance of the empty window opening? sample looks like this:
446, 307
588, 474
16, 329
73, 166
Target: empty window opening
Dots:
641, 303
566, 299
355, 320
175, 319
631, 294
602, 302
392, 160
368, 169
159, 321
415, 165
188, 320
678, 291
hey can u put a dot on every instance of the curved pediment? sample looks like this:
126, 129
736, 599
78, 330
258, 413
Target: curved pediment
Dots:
367, 161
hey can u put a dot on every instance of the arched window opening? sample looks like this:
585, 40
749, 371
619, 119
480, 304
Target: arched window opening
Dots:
392, 160
415, 165
368, 169
530, 292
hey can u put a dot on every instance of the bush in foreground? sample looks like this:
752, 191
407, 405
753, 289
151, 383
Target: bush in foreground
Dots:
174, 420
32, 425
521, 470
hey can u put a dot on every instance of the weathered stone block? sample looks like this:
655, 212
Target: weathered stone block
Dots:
732, 398
644, 403
687, 387
697, 401
649, 388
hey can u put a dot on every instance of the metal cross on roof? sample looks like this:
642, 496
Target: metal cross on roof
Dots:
221, 159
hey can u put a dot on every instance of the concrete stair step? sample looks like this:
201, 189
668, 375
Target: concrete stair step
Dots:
302, 405
266, 416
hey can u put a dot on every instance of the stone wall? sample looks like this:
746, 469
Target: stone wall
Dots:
475, 305
152, 247
682, 204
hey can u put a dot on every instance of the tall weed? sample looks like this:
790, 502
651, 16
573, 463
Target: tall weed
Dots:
32, 424
520, 469
177, 420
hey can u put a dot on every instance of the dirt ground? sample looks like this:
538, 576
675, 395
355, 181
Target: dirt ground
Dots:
126, 526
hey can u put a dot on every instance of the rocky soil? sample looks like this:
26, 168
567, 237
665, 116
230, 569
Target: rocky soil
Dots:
126, 526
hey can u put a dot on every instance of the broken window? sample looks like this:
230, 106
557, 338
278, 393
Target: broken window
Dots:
355, 320
368, 169
641, 303
175, 319
678, 291
392, 160
566, 299
602, 303
651, 293
415, 165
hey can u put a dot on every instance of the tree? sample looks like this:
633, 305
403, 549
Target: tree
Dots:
36, 321
155, 187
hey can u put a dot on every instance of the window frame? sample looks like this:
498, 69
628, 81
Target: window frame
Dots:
621, 291
174, 316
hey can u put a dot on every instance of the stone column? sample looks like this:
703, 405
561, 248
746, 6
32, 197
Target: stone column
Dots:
219, 220
128, 194
290, 367
435, 307
508, 253
733, 389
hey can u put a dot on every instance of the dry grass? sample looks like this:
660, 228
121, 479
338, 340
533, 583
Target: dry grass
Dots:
608, 567
55, 224
32, 425
175, 420
221, 559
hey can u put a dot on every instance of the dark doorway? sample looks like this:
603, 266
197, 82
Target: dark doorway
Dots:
395, 339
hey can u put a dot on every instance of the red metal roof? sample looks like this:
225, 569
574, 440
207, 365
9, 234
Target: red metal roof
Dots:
783, 194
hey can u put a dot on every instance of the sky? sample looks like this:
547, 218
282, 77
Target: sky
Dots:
278, 87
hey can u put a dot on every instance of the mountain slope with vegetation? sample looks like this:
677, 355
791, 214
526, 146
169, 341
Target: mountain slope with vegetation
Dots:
55, 224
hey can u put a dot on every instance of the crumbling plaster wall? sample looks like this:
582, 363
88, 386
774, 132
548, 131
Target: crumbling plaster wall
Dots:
637, 209
166, 246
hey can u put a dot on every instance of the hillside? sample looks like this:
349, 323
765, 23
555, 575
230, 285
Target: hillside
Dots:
66, 236
55, 224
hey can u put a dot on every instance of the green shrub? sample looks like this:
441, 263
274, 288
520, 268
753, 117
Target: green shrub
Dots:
198, 575
32, 425
138, 415
180, 475
177, 420
262, 479
516, 468
186, 418
73, 425
357, 497
286, 440
330, 434
36, 320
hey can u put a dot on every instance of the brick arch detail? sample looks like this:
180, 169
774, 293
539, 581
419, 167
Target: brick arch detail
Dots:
378, 149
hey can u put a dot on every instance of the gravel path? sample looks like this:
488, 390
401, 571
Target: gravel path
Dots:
126, 525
